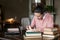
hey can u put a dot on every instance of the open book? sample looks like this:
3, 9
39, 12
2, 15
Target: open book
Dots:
32, 33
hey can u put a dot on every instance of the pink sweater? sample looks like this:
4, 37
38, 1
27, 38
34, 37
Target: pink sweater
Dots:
47, 21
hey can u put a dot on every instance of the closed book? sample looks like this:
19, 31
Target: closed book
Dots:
51, 33
48, 29
13, 30
49, 36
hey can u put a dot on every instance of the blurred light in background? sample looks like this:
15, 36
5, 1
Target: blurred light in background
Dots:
37, 1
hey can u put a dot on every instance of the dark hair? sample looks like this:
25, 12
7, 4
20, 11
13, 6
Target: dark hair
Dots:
39, 9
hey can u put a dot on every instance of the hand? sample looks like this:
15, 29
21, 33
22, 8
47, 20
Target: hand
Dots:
28, 27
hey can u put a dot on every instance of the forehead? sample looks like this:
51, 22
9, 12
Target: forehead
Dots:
37, 13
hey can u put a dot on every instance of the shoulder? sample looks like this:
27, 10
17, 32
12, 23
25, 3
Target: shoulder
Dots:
48, 16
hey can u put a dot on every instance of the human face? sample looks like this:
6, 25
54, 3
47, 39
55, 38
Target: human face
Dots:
38, 15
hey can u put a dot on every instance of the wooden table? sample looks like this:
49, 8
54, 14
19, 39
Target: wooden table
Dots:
32, 38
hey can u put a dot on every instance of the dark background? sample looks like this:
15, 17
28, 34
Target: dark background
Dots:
12, 8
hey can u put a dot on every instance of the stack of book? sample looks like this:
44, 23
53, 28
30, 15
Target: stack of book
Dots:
48, 33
